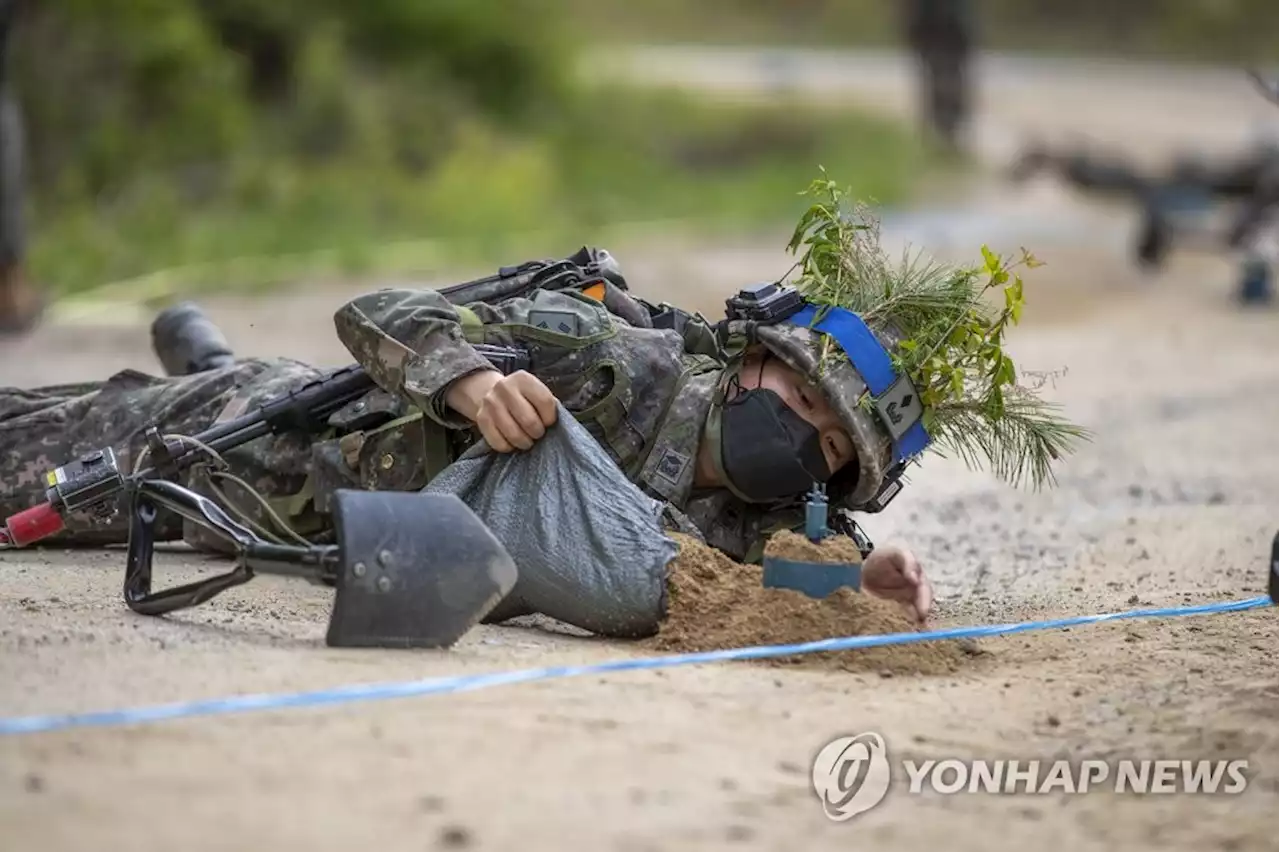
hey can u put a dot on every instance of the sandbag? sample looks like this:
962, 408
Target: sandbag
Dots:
589, 544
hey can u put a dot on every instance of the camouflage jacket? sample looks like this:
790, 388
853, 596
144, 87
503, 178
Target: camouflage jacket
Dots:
642, 392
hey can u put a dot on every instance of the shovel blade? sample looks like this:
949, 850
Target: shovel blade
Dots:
417, 570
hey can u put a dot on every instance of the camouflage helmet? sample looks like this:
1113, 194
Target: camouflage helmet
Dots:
815, 343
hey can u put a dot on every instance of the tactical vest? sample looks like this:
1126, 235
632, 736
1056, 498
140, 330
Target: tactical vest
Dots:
382, 442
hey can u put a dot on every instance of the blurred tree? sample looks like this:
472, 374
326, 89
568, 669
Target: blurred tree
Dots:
111, 85
120, 88
265, 35
1226, 29
510, 55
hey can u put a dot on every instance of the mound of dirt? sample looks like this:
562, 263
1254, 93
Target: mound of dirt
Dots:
837, 549
717, 603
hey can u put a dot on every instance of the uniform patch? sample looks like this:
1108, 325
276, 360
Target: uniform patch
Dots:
561, 322
671, 466
899, 407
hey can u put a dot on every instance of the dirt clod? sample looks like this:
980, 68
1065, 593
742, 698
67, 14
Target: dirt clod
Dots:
717, 603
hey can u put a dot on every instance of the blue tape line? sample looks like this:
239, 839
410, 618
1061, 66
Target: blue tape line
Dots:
869, 358
469, 683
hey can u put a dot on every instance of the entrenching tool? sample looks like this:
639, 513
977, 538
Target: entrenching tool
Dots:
411, 570
815, 579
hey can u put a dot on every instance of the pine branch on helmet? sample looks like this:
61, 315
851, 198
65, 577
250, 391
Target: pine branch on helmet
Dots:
909, 357
943, 339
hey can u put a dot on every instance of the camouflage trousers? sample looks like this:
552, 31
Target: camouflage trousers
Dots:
44, 428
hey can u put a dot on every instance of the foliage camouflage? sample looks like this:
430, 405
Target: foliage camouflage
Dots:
950, 338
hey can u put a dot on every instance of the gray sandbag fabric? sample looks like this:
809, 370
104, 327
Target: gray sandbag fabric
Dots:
589, 544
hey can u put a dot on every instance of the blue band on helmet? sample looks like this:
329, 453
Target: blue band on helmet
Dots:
869, 358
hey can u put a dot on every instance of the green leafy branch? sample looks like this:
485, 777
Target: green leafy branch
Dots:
949, 338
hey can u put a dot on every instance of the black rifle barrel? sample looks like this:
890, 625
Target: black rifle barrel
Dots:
307, 408
303, 408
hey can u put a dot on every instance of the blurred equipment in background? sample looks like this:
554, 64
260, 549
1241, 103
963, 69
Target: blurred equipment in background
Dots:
1177, 205
21, 303
941, 33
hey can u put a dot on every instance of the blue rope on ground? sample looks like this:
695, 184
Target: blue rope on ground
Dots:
467, 683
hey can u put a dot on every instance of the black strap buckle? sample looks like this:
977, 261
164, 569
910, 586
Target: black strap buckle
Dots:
889, 489
841, 521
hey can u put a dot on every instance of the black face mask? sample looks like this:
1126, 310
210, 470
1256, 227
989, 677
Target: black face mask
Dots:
768, 451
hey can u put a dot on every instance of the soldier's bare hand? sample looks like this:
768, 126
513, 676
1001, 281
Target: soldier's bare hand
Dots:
895, 574
512, 412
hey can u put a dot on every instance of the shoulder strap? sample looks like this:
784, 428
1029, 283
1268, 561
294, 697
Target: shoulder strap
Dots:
693, 365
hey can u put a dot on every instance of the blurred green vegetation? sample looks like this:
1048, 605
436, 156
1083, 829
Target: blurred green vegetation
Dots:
249, 142
1220, 30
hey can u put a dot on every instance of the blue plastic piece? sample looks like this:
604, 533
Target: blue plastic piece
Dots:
815, 515
815, 579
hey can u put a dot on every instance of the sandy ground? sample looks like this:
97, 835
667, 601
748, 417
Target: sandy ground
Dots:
1174, 503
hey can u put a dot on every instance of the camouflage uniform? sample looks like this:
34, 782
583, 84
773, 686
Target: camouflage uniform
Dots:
644, 393
44, 428
636, 389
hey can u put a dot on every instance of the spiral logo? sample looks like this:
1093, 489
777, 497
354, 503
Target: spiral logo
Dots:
851, 775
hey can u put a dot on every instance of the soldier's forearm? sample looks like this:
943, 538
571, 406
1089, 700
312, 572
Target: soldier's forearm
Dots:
411, 343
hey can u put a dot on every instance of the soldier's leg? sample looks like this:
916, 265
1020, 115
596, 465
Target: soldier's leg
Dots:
38, 429
272, 474
45, 428
269, 477
931, 95
948, 93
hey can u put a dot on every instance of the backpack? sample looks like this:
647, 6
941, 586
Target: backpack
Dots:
595, 273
